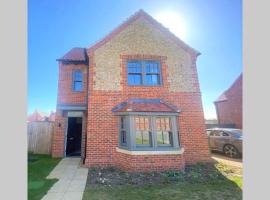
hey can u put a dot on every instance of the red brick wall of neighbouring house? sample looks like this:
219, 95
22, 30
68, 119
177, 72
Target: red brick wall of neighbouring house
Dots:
65, 93
102, 129
230, 111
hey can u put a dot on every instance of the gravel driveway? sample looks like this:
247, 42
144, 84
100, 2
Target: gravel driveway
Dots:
229, 161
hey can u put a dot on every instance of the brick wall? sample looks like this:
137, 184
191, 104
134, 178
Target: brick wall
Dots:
102, 130
142, 163
58, 143
230, 110
65, 93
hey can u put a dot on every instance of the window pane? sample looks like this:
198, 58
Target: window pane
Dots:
77, 76
146, 137
123, 137
122, 122
151, 67
163, 123
167, 124
142, 123
146, 123
139, 137
137, 121
77, 86
166, 138
134, 67
159, 137
134, 79
152, 79
164, 134
158, 124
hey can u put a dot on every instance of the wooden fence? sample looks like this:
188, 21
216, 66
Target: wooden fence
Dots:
39, 136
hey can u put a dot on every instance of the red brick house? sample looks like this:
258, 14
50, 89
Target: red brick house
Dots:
132, 100
229, 105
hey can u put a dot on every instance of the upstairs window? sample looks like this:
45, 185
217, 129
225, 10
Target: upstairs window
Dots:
144, 72
77, 80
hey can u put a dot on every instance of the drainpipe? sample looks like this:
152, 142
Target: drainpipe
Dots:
85, 142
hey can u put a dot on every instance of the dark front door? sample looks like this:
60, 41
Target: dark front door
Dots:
74, 136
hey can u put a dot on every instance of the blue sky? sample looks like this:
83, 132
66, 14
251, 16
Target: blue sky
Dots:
54, 27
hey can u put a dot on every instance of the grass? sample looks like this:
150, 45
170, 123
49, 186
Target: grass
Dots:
226, 186
39, 166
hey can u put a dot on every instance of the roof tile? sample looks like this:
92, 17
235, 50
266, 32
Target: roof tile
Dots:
75, 54
145, 105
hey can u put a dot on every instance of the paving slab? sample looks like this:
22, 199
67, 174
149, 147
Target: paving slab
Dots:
71, 183
73, 196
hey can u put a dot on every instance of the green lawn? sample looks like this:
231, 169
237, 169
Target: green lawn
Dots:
227, 188
39, 166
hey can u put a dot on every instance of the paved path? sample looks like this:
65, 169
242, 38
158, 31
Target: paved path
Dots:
71, 183
229, 161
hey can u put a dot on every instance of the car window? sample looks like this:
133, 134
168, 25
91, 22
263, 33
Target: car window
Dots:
215, 133
225, 134
212, 133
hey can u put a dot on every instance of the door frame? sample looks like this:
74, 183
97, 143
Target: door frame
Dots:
71, 114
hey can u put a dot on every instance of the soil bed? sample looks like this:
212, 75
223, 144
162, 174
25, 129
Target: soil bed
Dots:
100, 177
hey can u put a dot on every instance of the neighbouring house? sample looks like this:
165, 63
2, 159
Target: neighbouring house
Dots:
132, 100
210, 123
38, 116
229, 105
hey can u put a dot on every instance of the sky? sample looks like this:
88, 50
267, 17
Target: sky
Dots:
214, 28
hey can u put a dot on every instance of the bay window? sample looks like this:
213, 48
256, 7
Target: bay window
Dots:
148, 131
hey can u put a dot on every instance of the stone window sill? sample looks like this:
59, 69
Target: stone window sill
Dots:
139, 152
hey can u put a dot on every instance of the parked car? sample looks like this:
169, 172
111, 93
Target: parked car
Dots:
226, 140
